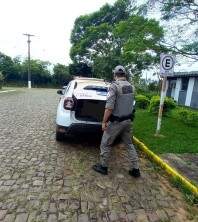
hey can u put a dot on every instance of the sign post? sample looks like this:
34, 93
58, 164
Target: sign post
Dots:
166, 67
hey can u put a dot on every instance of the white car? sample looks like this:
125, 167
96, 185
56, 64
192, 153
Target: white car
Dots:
81, 107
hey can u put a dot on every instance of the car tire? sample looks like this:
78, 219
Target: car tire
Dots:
59, 136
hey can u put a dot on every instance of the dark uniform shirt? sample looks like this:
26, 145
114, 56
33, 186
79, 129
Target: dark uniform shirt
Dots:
120, 98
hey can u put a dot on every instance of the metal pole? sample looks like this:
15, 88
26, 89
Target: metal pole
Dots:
29, 65
163, 95
29, 68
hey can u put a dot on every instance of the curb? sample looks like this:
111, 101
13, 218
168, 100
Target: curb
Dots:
7, 91
169, 170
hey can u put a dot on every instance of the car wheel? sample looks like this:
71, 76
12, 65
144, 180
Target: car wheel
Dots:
59, 136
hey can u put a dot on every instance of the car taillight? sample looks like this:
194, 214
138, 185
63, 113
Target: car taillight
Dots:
68, 103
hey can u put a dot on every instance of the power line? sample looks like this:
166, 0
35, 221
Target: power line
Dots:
29, 66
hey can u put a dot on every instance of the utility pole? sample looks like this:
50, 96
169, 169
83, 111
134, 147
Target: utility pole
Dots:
29, 66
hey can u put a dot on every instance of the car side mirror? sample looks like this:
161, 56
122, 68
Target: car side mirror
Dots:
60, 92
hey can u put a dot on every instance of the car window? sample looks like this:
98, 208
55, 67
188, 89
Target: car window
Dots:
67, 88
96, 88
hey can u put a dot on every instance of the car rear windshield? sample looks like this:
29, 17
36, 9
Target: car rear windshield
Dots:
96, 88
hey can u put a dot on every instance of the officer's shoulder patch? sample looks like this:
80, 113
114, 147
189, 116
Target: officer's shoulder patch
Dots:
127, 89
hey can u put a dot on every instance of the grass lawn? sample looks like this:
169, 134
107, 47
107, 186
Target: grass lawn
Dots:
9, 88
178, 137
5, 88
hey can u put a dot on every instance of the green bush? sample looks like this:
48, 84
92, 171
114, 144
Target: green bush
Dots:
142, 101
187, 116
169, 104
150, 94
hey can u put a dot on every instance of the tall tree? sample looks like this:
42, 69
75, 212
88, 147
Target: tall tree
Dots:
8, 68
40, 74
61, 74
184, 13
112, 36
80, 69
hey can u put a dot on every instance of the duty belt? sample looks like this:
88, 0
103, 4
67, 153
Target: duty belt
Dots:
120, 119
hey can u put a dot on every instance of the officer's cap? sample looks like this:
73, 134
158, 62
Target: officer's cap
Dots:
119, 70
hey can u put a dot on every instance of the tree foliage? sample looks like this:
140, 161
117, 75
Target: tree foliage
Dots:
116, 35
39, 72
80, 69
185, 14
15, 70
61, 74
7, 67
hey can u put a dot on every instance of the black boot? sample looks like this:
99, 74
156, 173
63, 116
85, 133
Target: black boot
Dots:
134, 172
100, 169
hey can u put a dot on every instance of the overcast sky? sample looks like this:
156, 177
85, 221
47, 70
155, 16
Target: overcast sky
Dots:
50, 20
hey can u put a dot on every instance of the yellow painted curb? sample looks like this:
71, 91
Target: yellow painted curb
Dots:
166, 167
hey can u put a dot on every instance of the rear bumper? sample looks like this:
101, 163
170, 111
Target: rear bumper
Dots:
80, 128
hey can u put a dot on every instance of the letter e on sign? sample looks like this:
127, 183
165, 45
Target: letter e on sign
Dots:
166, 64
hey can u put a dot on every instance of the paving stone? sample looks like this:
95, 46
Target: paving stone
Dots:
9, 218
9, 182
42, 216
162, 215
90, 205
170, 212
74, 206
131, 217
45, 206
6, 177
113, 216
32, 216
83, 218
84, 207
21, 217
153, 217
37, 183
141, 216
52, 208
52, 218
21, 210
122, 216
2, 214
129, 208
64, 197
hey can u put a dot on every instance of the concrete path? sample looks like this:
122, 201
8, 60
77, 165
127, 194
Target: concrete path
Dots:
42, 180
186, 164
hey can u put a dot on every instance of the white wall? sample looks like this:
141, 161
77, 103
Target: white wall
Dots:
173, 92
177, 89
189, 91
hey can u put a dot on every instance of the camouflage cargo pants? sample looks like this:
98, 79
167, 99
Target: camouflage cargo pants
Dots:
114, 130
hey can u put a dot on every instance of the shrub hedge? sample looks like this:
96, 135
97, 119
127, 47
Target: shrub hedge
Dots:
169, 104
142, 101
187, 116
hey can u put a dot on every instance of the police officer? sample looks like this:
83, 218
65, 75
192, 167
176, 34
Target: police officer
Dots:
117, 122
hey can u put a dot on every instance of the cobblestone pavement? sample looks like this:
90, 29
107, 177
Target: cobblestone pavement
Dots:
42, 180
